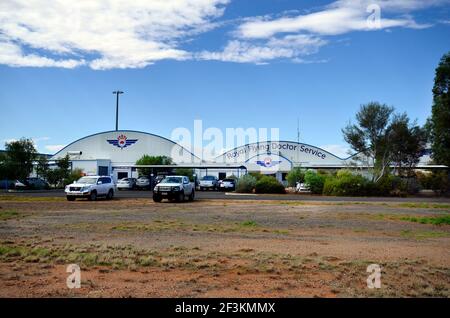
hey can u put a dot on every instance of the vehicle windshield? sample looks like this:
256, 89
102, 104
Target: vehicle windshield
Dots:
171, 180
208, 178
87, 180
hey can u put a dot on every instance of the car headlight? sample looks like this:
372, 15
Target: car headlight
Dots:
176, 188
156, 189
67, 188
83, 189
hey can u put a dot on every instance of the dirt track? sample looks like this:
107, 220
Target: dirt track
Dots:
133, 247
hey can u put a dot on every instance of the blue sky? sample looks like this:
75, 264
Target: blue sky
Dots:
229, 63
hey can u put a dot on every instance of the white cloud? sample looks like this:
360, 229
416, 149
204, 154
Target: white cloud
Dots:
9, 140
261, 39
291, 46
107, 34
34, 139
103, 34
341, 151
54, 148
12, 55
39, 139
337, 18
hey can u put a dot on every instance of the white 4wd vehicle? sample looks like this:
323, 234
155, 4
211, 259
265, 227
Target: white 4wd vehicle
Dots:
91, 188
174, 188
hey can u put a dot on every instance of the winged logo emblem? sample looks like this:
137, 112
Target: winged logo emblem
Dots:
122, 141
268, 162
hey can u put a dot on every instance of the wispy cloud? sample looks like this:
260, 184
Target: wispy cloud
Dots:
294, 35
337, 18
54, 148
102, 34
34, 139
290, 46
112, 34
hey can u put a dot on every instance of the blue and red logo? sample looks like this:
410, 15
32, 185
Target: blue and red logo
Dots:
268, 163
122, 141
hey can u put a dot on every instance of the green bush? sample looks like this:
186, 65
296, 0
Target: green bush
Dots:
440, 182
256, 175
185, 172
347, 184
315, 181
74, 176
269, 185
246, 184
232, 176
390, 185
295, 175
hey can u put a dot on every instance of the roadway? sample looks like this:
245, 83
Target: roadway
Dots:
205, 195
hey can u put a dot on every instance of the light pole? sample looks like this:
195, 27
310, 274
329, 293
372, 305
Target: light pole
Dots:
117, 108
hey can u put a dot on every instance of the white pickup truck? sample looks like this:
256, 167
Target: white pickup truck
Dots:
174, 188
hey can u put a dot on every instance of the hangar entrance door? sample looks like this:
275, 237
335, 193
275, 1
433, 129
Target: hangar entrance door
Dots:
102, 171
122, 175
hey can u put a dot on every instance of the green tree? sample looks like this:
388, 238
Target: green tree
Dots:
407, 142
74, 175
295, 175
439, 122
54, 177
185, 172
19, 158
152, 160
42, 167
370, 136
6, 172
63, 165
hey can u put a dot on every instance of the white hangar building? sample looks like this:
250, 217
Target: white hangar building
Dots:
115, 153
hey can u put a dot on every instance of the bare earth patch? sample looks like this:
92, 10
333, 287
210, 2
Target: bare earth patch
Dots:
214, 248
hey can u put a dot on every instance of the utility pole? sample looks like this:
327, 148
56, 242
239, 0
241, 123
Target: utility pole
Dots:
117, 107
298, 140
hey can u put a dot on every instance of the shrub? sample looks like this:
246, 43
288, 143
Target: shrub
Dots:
269, 185
246, 184
74, 176
440, 182
329, 185
315, 181
424, 178
347, 184
390, 185
295, 175
256, 175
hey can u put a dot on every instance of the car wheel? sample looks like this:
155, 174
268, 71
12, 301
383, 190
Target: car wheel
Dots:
192, 196
93, 196
69, 198
157, 198
110, 195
